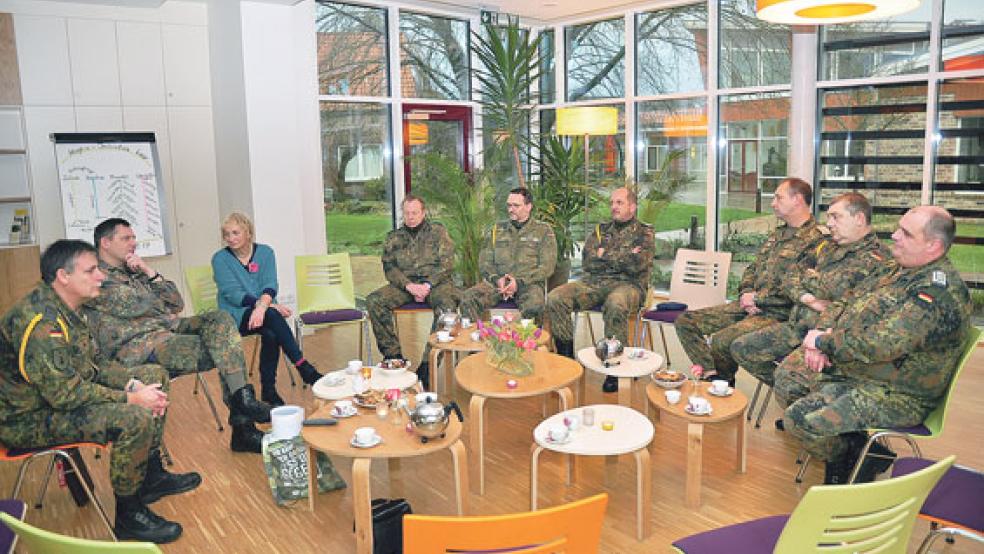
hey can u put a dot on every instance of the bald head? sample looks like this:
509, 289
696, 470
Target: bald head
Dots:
924, 235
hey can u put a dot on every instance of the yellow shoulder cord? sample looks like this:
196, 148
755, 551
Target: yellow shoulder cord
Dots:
820, 247
27, 335
598, 233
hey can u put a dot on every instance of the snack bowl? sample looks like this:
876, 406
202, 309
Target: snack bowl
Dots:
394, 367
669, 379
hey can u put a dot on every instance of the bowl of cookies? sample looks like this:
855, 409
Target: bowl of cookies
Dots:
394, 367
669, 379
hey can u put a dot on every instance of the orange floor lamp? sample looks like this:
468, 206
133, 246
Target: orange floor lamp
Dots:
587, 122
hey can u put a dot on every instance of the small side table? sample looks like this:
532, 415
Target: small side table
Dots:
626, 371
632, 434
730, 408
461, 344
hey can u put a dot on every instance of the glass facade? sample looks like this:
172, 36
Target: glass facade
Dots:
595, 60
352, 50
672, 50
752, 52
434, 57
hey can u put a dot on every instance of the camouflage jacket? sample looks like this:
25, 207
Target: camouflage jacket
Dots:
907, 332
788, 250
529, 253
618, 263
841, 270
424, 256
47, 360
132, 314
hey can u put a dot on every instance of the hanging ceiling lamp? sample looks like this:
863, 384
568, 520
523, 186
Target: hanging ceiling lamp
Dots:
825, 12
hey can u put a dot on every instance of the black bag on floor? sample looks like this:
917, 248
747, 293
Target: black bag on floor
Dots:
387, 525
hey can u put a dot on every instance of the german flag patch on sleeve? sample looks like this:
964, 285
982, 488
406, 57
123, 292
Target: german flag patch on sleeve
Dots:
925, 297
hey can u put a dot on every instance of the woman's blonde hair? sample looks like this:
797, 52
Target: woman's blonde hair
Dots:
243, 220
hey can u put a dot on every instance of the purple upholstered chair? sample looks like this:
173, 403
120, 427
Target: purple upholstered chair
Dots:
700, 279
8, 539
869, 517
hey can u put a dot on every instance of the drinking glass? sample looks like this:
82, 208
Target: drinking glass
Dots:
587, 417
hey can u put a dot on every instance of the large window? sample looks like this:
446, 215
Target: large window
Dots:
595, 60
357, 176
351, 50
895, 46
672, 50
751, 163
548, 68
963, 35
434, 57
753, 52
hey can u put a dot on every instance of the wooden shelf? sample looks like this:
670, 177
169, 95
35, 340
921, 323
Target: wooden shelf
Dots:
14, 199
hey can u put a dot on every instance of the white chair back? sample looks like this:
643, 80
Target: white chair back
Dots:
700, 278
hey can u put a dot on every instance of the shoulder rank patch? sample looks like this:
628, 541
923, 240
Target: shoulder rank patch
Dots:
56, 334
925, 297
939, 278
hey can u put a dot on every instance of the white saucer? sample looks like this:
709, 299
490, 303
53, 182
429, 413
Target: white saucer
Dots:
570, 437
691, 412
450, 339
731, 390
375, 442
333, 379
343, 415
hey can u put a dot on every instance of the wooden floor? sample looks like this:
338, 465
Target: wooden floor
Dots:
233, 510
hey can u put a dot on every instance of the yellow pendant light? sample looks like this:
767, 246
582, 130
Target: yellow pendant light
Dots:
826, 12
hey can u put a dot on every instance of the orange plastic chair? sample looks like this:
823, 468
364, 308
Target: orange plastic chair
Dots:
573, 528
28, 455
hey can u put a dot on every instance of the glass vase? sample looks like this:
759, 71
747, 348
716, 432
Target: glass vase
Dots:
510, 359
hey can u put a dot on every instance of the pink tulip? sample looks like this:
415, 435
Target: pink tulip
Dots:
530, 344
510, 316
480, 325
537, 333
519, 342
503, 336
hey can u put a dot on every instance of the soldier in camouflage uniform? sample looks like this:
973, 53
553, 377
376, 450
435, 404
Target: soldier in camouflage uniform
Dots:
418, 260
136, 320
53, 392
851, 259
791, 248
518, 257
617, 259
897, 347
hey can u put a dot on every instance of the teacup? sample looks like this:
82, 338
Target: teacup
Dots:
354, 366
365, 435
465, 322
476, 336
672, 396
698, 405
719, 386
558, 433
444, 336
342, 407
572, 422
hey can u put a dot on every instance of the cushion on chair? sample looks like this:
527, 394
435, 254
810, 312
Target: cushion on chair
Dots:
506, 305
414, 306
17, 509
665, 316
955, 498
670, 306
752, 537
331, 316
918, 429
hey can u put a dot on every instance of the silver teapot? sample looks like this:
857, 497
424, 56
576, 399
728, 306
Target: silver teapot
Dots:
447, 321
430, 418
608, 350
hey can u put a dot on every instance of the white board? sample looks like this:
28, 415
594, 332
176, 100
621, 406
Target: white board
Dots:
104, 175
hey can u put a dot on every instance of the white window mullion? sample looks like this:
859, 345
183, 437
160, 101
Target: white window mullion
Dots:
630, 88
932, 102
396, 109
711, 213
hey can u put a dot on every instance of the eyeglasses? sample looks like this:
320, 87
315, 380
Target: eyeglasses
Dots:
511, 205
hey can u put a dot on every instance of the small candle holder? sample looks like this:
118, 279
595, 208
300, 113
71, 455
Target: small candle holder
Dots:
512, 384
607, 425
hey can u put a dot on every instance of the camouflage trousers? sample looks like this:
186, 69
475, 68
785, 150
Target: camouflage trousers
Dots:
202, 342
476, 300
759, 351
723, 324
132, 430
618, 302
820, 419
793, 380
381, 302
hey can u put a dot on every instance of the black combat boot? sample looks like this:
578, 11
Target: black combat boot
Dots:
564, 347
159, 482
423, 375
308, 372
836, 472
134, 520
878, 460
269, 395
610, 384
780, 425
243, 402
246, 438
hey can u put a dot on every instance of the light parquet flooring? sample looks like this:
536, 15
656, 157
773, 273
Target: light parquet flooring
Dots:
233, 512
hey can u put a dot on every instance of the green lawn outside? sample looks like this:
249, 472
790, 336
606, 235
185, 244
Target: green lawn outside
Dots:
356, 233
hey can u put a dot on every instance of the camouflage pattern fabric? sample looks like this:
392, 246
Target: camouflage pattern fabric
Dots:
617, 259
135, 319
286, 465
528, 253
788, 250
52, 391
841, 270
421, 255
897, 347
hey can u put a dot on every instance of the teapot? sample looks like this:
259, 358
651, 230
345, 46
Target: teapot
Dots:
608, 350
448, 321
430, 418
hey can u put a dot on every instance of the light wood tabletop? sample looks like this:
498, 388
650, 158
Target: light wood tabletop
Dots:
625, 370
724, 409
461, 342
551, 373
397, 442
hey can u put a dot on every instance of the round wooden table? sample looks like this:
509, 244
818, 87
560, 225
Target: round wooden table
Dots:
397, 443
461, 343
631, 435
724, 409
625, 371
551, 373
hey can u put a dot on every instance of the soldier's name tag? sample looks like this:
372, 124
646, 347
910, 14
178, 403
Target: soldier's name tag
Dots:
939, 278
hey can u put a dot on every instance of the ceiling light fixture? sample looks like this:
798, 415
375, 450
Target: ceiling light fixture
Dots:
826, 12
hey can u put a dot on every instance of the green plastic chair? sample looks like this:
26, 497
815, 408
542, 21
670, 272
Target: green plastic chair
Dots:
326, 295
39, 540
930, 428
833, 519
204, 298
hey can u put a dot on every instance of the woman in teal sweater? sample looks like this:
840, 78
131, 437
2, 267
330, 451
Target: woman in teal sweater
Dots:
246, 277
